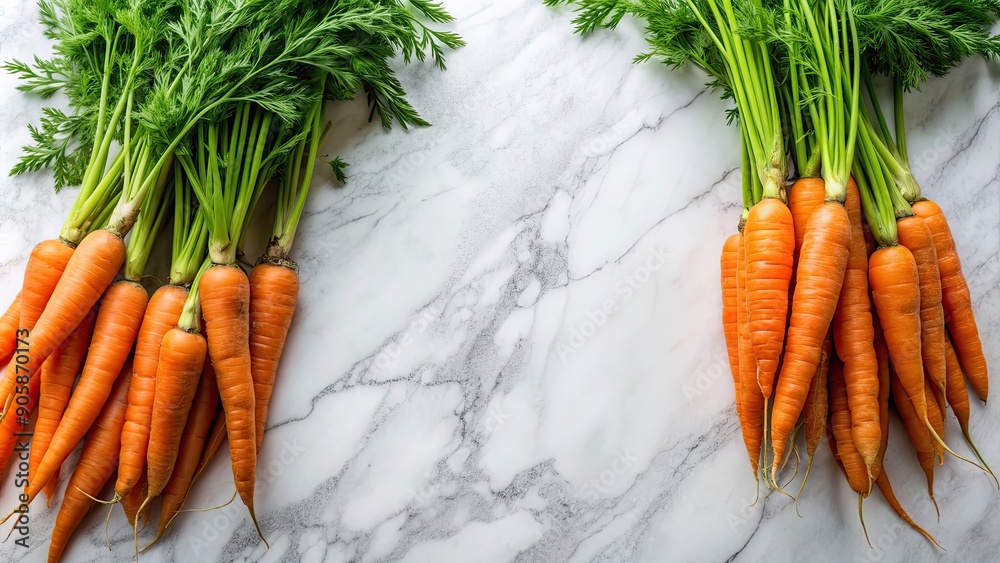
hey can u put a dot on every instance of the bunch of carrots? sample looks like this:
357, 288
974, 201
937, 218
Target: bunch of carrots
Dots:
843, 289
182, 115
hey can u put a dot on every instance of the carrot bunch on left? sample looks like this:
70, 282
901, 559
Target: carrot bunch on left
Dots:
180, 112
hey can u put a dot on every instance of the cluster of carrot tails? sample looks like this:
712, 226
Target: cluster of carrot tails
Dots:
844, 289
183, 114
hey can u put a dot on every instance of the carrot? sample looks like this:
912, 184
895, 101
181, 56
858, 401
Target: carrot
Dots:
958, 398
225, 296
274, 290
162, 315
751, 399
840, 423
819, 278
886, 489
730, 317
8, 330
896, 293
56, 381
816, 409
853, 334
769, 238
45, 265
956, 299
11, 426
114, 332
216, 436
182, 360
882, 358
805, 196
97, 463
916, 236
132, 502
919, 437
88, 273
936, 418
193, 442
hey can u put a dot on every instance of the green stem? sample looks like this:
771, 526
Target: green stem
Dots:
190, 319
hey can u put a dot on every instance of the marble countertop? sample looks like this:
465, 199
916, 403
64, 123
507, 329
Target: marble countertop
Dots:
508, 344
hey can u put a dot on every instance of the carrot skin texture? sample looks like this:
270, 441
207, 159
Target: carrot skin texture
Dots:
274, 292
46, 264
114, 333
884, 386
854, 335
132, 501
728, 264
895, 287
915, 235
822, 263
840, 424
56, 379
97, 463
193, 442
936, 419
161, 316
769, 238
956, 299
805, 196
751, 399
225, 299
182, 361
8, 330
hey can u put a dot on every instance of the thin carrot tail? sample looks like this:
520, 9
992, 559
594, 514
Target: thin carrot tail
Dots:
968, 439
886, 488
934, 434
257, 525
802, 486
861, 516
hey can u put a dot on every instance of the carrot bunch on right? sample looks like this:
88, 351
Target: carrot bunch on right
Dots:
842, 290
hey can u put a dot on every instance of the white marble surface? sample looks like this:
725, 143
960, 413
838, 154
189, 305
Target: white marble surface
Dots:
508, 345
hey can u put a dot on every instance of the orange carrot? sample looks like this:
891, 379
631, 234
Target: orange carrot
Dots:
819, 278
882, 358
97, 463
216, 436
8, 330
896, 293
840, 423
193, 443
274, 290
88, 273
936, 418
225, 297
182, 360
56, 380
956, 299
114, 332
919, 437
132, 502
854, 333
730, 317
46, 264
14, 448
816, 409
751, 399
769, 238
805, 196
958, 398
916, 236
162, 315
